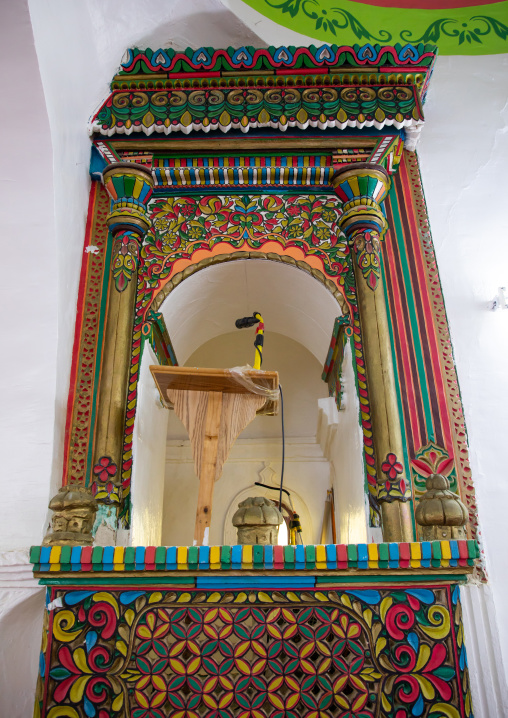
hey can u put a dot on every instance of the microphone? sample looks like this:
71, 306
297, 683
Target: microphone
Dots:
245, 322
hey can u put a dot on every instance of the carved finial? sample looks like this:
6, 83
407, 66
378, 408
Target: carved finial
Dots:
440, 512
74, 510
257, 520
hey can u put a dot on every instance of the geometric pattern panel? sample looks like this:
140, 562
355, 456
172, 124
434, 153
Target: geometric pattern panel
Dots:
254, 654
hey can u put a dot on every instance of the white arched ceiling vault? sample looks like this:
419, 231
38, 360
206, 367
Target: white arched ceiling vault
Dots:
292, 303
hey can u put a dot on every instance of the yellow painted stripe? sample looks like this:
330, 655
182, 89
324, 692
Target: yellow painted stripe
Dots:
119, 554
119, 567
215, 557
55, 567
138, 187
445, 550
181, 556
416, 550
353, 184
373, 551
415, 563
247, 555
54, 556
320, 557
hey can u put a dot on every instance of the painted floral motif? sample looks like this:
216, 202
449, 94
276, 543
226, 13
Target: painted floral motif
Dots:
125, 258
332, 20
471, 32
103, 488
184, 225
394, 487
367, 249
432, 459
318, 654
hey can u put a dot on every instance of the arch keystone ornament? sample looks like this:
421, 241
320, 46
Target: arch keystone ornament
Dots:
361, 188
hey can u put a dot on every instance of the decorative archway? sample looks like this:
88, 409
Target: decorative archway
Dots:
190, 233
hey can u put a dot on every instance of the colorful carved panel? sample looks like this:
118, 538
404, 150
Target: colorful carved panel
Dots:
303, 226
173, 651
323, 104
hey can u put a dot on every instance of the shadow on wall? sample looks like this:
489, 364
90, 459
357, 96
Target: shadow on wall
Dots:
20, 644
219, 29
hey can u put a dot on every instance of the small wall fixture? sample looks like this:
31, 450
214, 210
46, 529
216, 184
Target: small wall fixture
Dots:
499, 301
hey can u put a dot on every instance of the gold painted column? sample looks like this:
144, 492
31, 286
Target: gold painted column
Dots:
129, 186
361, 188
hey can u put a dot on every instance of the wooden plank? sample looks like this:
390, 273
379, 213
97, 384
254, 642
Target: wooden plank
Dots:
168, 378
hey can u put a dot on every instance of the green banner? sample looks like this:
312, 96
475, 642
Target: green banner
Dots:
471, 30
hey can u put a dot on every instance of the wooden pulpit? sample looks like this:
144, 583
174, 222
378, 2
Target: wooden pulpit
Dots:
215, 408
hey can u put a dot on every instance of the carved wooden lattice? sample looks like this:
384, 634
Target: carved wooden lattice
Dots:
255, 654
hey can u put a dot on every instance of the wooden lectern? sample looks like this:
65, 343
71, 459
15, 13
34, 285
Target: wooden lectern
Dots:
214, 408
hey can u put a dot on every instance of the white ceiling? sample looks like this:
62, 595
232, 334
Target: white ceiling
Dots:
291, 302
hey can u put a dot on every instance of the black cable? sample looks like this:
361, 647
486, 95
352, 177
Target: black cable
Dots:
283, 447
274, 488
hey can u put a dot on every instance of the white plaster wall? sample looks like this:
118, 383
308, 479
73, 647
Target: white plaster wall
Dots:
149, 454
28, 292
340, 437
21, 617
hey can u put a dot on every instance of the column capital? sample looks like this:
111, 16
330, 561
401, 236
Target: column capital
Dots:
130, 186
361, 188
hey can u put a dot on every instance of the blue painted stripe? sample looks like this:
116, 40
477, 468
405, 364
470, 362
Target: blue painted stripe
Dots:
45, 553
454, 548
204, 556
299, 556
331, 556
426, 550
268, 556
171, 558
76, 554
236, 557
107, 554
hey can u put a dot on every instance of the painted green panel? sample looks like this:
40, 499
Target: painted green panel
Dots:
476, 30
130, 555
363, 184
65, 554
225, 556
352, 552
128, 183
258, 554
